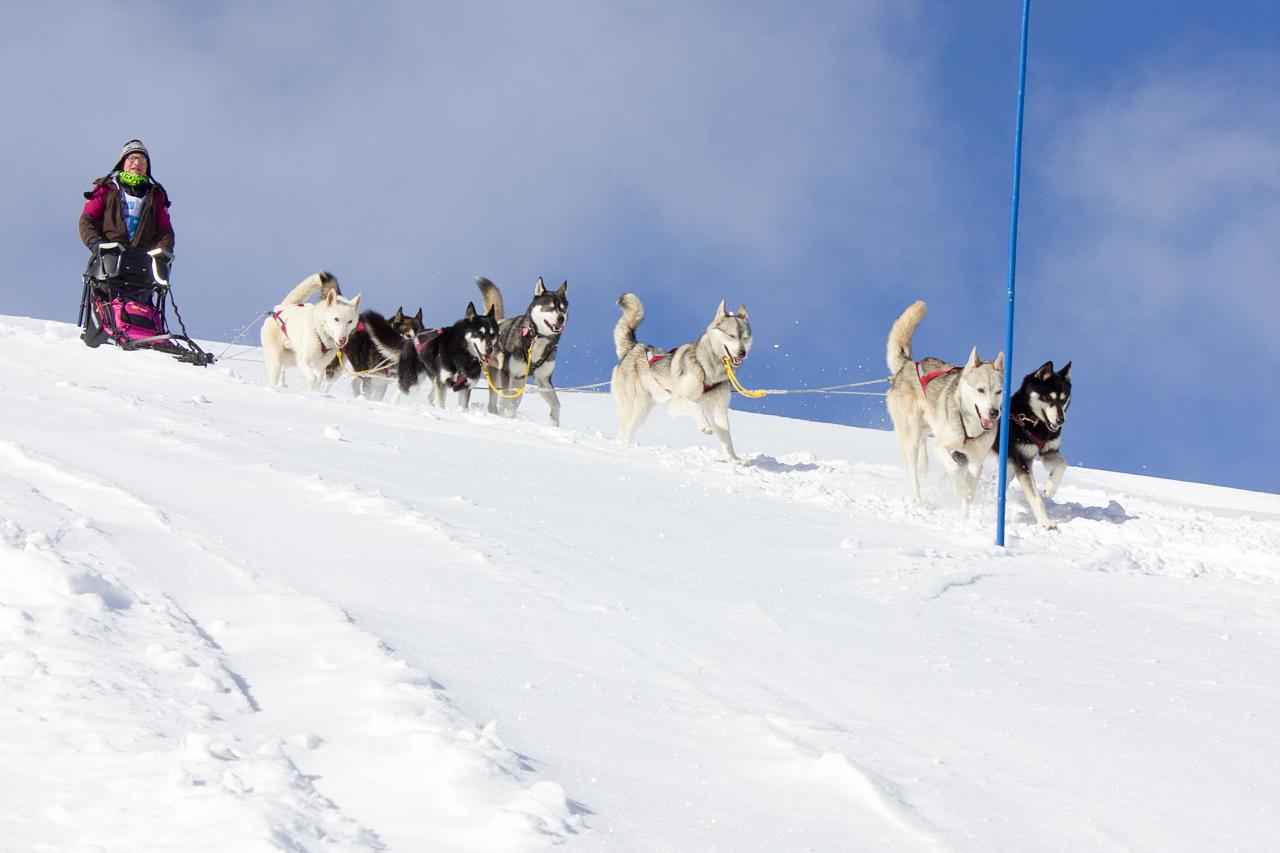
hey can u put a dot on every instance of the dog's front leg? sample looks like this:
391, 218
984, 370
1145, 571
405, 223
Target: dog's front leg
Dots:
966, 487
956, 464
1033, 497
464, 397
325, 379
310, 373
548, 393
714, 411
973, 476
508, 382
495, 400
1056, 466
437, 392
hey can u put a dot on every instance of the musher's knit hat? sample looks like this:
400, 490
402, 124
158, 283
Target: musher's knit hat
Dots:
130, 147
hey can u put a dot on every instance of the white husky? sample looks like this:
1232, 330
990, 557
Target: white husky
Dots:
308, 334
691, 378
960, 405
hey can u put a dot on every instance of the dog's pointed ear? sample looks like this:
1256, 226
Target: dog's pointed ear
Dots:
1065, 372
972, 361
355, 301
720, 312
490, 313
998, 364
562, 288
418, 316
471, 311
742, 312
538, 287
329, 299
1044, 371
399, 315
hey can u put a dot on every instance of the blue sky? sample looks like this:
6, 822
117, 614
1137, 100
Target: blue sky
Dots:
825, 163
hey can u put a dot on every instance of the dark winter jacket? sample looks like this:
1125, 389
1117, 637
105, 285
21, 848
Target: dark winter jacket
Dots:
102, 219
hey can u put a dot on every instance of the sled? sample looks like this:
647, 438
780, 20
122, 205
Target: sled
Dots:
125, 302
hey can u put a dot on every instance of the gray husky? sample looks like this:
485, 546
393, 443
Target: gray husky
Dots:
1037, 413
959, 405
691, 378
526, 345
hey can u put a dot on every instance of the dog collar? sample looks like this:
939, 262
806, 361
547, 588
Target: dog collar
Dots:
1028, 422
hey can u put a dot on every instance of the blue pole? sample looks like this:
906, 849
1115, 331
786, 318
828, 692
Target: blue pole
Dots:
1002, 473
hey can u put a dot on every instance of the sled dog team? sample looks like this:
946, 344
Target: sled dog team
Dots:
959, 405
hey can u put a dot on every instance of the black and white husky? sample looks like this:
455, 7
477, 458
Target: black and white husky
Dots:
526, 345
454, 357
1037, 413
372, 367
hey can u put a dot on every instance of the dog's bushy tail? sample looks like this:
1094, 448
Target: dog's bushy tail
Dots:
321, 282
898, 351
624, 334
492, 297
383, 334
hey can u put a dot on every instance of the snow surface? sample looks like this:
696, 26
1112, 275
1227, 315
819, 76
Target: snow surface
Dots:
237, 618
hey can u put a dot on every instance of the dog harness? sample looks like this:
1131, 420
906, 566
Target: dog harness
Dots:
659, 355
926, 378
275, 315
547, 354
425, 337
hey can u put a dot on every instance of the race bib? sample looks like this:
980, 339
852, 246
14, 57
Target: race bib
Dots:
132, 211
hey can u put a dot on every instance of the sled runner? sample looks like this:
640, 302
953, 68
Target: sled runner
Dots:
124, 302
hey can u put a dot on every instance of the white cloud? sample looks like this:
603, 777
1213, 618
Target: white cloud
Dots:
1166, 207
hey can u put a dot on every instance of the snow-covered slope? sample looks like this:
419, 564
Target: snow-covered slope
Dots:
239, 618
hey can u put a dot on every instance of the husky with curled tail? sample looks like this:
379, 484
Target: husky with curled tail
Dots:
308, 334
526, 347
959, 405
373, 350
691, 379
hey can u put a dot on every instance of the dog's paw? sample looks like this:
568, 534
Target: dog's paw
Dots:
706, 430
1049, 525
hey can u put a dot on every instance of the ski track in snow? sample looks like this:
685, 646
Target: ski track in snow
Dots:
231, 656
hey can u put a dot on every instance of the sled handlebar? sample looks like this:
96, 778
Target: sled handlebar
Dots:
156, 254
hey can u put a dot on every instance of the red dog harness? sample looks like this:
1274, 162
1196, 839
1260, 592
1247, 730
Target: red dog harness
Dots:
275, 315
425, 337
926, 378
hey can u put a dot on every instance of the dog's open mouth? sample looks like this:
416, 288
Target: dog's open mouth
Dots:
557, 328
987, 423
736, 360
